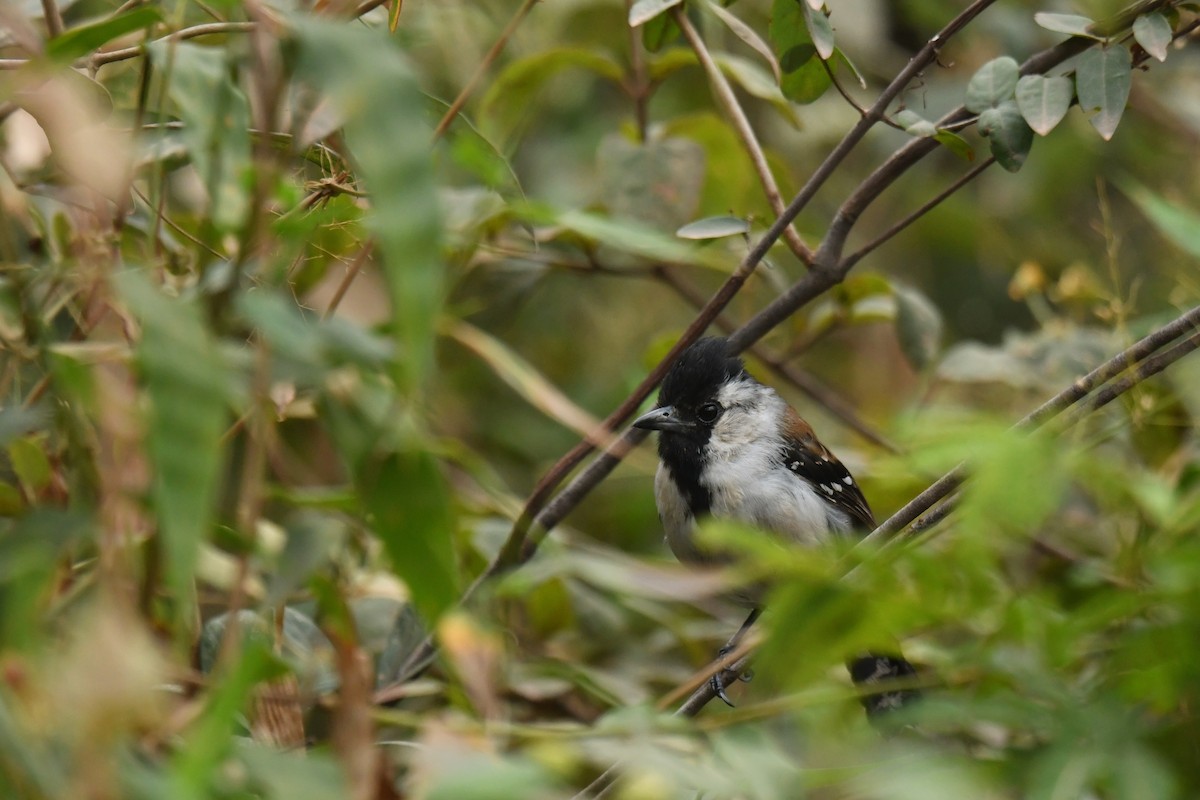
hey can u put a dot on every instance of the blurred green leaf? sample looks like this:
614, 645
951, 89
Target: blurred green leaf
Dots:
1102, 82
637, 239
748, 35
804, 74
188, 387
510, 95
216, 116
714, 228
196, 761
411, 513
525, 379
1180, 225
656, 183
1071, 24
642, 11
371, 82
919, 326
84, 39
30, 463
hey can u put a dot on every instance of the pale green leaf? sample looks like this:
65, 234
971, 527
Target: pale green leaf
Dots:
367, 77
1008, 135
643, 11
1102, 81
1153, 32
747, 35
187, 385
992, 84
714, 228
1043, 101
1071, 24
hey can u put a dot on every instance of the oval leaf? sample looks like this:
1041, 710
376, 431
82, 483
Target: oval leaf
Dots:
1044, 101
1102, 80
1008, 135
992, 84
820, 30
747, 35
955, 144
914, 123
1154, 34
714, 228
81, 41
918, 326
1071, 24
645, 10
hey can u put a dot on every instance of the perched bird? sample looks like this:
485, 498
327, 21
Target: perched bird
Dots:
731, 448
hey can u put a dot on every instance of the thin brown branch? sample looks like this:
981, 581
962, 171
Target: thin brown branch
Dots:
489, 58
194, 32
741, 126
852, 259
1148, 363
816, 391
1137, 353
638, 86
54, 20
351, 273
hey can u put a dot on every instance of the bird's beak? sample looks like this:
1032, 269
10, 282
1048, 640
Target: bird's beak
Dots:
662, 419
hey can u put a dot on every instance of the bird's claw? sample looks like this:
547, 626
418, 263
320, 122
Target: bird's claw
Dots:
718, 687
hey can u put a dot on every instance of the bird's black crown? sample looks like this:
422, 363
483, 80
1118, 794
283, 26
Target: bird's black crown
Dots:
699, 371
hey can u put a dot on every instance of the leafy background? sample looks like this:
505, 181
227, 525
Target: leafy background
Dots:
301, 305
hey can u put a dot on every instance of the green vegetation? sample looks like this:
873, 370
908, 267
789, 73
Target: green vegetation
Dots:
310, 317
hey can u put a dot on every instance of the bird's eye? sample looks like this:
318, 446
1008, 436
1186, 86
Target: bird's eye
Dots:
708, 412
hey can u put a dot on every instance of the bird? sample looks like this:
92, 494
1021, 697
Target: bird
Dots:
732, 448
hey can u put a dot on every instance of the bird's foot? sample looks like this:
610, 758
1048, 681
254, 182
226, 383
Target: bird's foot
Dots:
717, 682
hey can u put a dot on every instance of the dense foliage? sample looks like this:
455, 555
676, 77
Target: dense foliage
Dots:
310, 313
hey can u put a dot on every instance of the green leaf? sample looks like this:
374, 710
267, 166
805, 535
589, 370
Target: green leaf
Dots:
1071, 24
511, 94
30, 463
758, 83
747, 35
955, 144
820, 30
656, 183
914, 123
196, 761
1008, 135
992, 84
805, 77
367, 77
658, 32
85, 39
630, 237
311, 539
1102, 81
1044, 101
918, 326
411, 513
714, 228
187, 384
216, 117
1180, 225
1153, 32
643, 11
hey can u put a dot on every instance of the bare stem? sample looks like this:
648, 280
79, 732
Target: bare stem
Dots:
741, 126
489, 58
